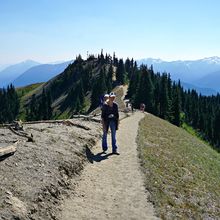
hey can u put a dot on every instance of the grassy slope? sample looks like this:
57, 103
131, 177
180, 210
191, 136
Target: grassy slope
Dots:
25, 93
182, 172
22, 91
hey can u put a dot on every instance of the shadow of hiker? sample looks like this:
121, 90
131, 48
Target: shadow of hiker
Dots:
96, 157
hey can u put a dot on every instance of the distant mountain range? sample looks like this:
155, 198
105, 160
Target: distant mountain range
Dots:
10, 73
199, 73
40, 73
3, 66
203, 90
29, 72
212, 80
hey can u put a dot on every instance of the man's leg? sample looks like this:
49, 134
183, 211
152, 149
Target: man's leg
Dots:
104, 141
113, 134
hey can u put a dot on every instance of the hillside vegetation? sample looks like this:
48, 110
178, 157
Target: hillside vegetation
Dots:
182, 173
77, 90
24, 93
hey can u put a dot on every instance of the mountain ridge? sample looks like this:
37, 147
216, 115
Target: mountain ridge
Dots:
189, 71
210, 80
11, 72
214, 59
40, 73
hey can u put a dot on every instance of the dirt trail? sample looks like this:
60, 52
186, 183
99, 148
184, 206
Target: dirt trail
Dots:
112, 186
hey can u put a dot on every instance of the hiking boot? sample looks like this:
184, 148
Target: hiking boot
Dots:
115, 152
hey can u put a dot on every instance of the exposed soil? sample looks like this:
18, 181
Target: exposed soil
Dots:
33, 180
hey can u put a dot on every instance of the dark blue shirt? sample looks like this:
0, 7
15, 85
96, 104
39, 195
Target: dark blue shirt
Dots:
110, 113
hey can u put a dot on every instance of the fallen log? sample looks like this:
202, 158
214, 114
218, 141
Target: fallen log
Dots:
22, 134
87, 118
9, 150
5, 125
64, 122
16, 124
69, 123
42, 121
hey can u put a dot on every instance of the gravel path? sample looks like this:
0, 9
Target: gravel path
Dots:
112, 186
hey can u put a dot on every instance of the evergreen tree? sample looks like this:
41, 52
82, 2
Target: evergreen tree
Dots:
99, 88
115, 60
216, 128
49, 103
32, 112
120, 72
194, 108
176, 106
169, 87
75, 98
144, 92
101, 58
164, 98
42, 110
156, 110
133, 82
128, 67
9, 104
109, 79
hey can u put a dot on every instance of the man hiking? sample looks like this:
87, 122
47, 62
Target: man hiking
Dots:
110, 118
103, 100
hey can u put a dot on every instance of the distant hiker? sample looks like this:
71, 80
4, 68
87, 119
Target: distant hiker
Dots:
142, 107
127, 103
110, 118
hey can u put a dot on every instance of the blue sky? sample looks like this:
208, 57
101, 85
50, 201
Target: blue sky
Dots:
51, 30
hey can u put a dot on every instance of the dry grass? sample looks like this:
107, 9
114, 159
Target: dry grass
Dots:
24, 94
22, 91
182, 172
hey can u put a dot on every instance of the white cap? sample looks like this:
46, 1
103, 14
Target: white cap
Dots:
112, 94
106, 95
